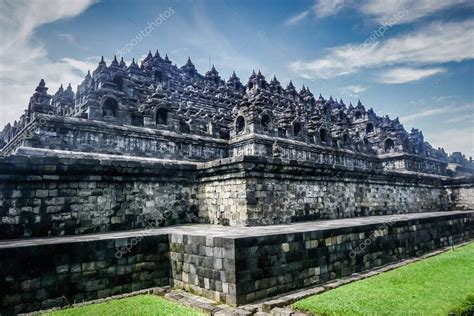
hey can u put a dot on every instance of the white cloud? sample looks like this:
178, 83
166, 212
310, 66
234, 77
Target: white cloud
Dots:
454, 139
336, 63
434, 43
436, 111
406, 74
459, 137
295, 19
446, 97
21, 17
384, 10
67, 37
465, 118
353, 90
324, 8
425, 113
23, 64
81, 65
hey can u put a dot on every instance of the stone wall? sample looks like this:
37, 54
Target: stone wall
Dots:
463, 197
265, 146
51, 196
259, 145
460, 193
286, 191
300, 199
402, 162
233, 265
82, 135
59, 272
204, 265
51, 193
277, 263
223, 201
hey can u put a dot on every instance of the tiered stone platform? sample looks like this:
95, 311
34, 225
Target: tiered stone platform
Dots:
54, 193
234, 265
155, 146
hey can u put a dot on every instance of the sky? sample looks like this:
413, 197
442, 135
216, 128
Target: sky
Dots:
411, 59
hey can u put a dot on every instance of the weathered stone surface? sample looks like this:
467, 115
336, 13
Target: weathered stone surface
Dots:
460, 193
95, 266
121, 198
239, 191
143, 147
278, 311
160, 110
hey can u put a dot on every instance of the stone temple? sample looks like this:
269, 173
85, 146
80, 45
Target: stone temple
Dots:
89, 179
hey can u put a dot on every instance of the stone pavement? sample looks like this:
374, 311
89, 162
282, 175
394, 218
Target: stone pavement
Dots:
231, 232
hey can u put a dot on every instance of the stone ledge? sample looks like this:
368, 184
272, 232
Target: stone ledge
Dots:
236, 233
235, 265
277, 306
306, 168
277, 303
43, 162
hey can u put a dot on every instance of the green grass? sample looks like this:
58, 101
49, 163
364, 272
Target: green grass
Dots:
135, 305
433, 286
466, 308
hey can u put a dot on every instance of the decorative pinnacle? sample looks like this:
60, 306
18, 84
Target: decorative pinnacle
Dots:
114, 61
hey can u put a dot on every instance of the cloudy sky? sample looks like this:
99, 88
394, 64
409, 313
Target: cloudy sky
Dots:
411, 59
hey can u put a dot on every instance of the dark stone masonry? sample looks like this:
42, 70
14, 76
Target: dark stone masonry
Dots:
227, 264
150, 175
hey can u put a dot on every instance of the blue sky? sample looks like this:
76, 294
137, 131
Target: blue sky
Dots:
411, 59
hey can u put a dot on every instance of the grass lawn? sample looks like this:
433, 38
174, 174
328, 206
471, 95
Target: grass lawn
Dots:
135, 305
433, 286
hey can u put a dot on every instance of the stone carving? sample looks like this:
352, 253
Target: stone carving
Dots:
276, 150
157, 94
